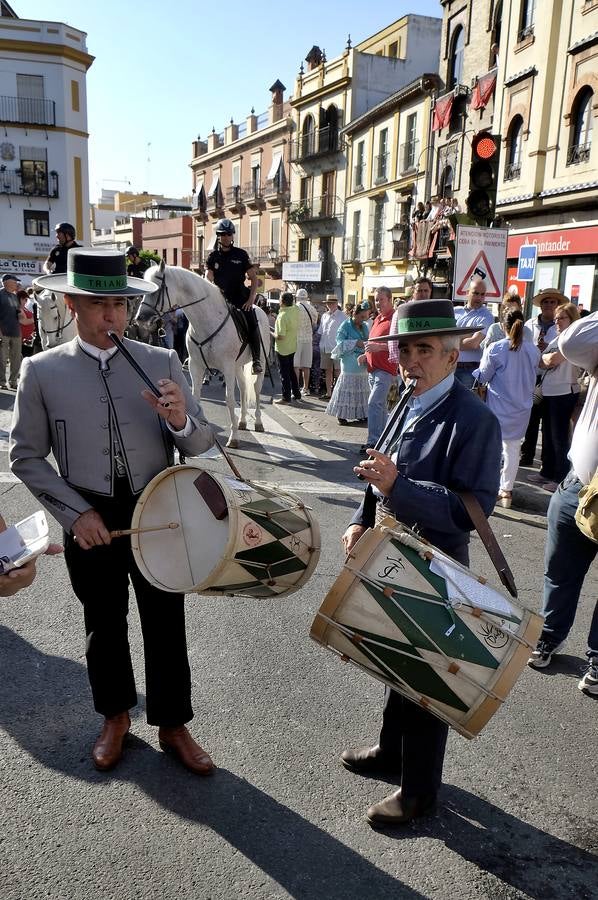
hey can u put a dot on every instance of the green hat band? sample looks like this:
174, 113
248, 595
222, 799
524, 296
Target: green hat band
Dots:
425, 323
97, 283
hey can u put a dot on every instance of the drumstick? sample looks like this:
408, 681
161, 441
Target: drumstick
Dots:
131, 359
123, 532
133, 362
393, 419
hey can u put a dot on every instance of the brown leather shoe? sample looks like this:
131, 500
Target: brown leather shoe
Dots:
369, 761
179, 742
399, 810
108, 748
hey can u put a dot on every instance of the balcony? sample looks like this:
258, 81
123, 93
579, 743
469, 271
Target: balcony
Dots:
275, 192
27, 111
215, 205
252, 194
408, 157
381, 168
400, 249
579, 153
314, 144
39, 185
268, 257
312, 211
234, 201
512, 171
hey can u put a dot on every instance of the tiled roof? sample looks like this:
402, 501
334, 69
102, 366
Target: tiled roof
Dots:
531, 70
569, 189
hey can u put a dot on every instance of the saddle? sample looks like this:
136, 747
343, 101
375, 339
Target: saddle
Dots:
240, 321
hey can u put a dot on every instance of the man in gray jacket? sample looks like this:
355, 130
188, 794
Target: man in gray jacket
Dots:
84, 403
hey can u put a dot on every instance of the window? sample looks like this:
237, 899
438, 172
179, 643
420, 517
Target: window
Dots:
359, 165
446, 182
236, 174
254, 238
255, 179
377, 229
37, 224
175, 256
455, 68
308, 137
514, 139
382, 160
275, 234
458, 120
304, 250
355, 252
527, 20
305, 191
581, 128
393, 50
410, 145
75, 96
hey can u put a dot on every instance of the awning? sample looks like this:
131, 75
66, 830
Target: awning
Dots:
215, 187
276, 161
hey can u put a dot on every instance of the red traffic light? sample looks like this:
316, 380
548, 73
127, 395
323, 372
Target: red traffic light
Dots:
484, 146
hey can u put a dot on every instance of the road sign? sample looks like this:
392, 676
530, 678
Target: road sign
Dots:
480, 252
526, 264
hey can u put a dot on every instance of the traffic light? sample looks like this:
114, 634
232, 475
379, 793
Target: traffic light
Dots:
483, 177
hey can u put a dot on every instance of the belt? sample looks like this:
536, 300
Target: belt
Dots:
468, 365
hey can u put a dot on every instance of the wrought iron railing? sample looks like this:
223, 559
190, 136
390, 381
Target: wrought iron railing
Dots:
325, 207
512, 171
381, 167
578, 153
233, 195
35, 186
408, 156
252, 190
27, 111
318, 142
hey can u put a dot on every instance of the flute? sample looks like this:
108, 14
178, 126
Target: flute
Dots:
133, 362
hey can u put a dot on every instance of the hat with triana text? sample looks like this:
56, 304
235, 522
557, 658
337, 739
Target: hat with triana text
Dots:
90, 273
419, 318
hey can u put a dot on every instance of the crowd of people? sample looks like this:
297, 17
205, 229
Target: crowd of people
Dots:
448, 442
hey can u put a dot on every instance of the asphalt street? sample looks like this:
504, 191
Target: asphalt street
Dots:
281, 817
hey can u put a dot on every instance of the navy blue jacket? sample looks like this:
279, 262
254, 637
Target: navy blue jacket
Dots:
455, 446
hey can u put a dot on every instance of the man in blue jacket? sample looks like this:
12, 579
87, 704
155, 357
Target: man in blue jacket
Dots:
445, 442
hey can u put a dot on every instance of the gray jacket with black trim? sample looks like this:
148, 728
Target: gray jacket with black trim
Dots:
68, 406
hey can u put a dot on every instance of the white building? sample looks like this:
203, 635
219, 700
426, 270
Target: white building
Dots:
43, 138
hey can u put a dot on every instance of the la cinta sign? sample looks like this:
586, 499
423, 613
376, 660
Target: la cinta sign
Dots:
15, 265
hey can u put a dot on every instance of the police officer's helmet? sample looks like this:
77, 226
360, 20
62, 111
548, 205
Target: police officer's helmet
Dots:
132, 251
66, 228
225, 226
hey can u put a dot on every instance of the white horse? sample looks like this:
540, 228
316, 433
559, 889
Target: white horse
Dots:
55, 320
212, 338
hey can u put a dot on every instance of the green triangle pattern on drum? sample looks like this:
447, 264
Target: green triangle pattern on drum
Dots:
284, 523
416, 672
423, 567
249, 588
434, 622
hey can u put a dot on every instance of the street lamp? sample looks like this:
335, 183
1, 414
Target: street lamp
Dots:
272, 254
396, 233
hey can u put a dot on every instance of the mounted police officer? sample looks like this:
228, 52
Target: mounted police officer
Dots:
136, 265
55, 264
229, 267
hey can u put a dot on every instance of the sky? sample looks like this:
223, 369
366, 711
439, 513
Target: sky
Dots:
165, 73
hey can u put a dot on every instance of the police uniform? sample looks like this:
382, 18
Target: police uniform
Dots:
229, 268
57, 257
136, 269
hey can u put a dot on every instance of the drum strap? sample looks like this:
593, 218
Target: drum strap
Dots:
482, 526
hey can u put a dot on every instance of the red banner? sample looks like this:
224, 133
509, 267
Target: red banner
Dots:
442, 113
483, 90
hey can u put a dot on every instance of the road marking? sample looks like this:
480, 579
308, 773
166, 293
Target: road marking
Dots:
279, 443
5, 423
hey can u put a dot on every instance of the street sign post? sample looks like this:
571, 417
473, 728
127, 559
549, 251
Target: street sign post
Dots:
526, 264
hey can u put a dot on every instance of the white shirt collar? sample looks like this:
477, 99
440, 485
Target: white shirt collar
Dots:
96, 352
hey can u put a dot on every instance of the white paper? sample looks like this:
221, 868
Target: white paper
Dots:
23, 541
462, 587
12, 546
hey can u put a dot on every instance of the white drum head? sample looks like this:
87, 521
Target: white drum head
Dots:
177, 560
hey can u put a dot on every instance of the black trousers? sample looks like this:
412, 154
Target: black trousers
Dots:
288, 377
416, 740
528, 447
100, 579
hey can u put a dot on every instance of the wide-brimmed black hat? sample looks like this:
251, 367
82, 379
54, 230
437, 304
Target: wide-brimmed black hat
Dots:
425, 317
100, 273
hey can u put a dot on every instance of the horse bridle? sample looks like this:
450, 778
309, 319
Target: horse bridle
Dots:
58, 331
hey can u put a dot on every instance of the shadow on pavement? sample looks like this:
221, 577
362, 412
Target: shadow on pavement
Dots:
537, 864
45, 706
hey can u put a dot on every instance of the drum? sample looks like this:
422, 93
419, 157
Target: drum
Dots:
234, 537
428, 627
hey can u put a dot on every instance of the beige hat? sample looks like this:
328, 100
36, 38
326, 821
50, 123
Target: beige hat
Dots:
549, 294
331, 298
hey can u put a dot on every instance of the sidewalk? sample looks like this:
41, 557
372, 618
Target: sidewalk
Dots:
530, 503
